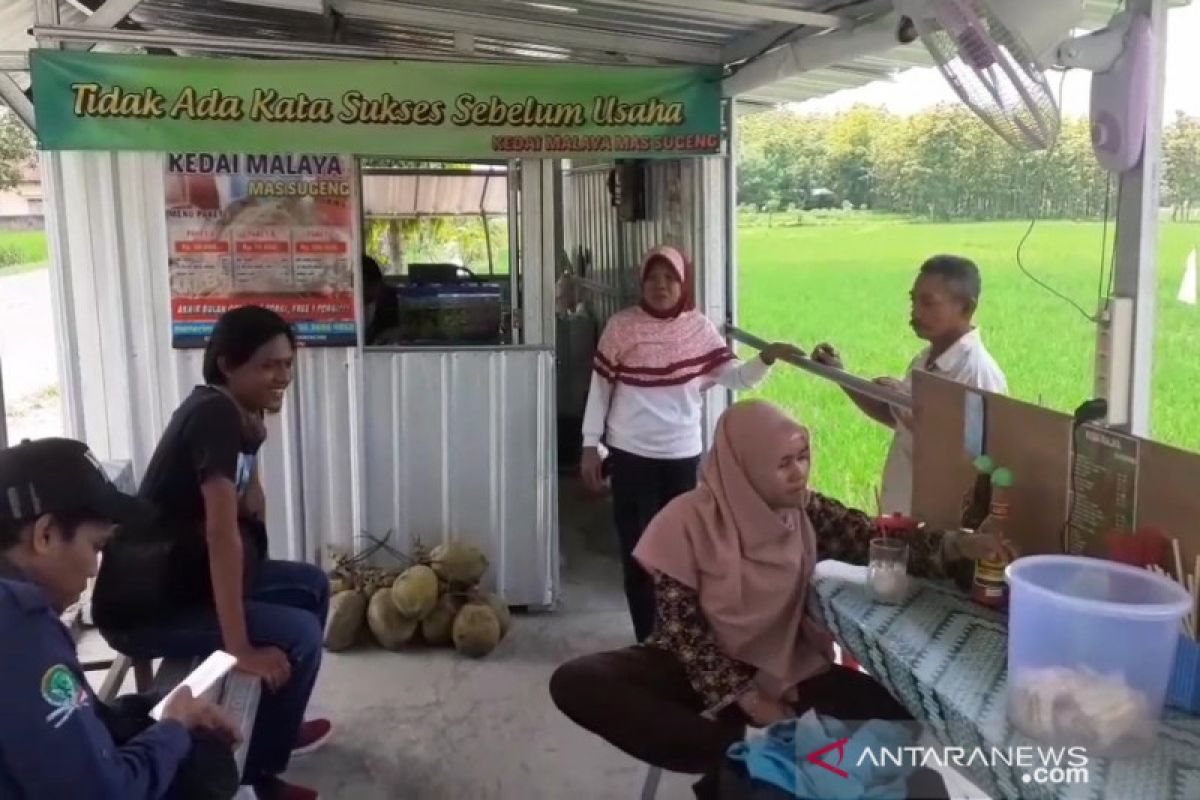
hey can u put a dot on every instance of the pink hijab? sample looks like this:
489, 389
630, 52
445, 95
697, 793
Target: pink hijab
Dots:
749, 563
642, 347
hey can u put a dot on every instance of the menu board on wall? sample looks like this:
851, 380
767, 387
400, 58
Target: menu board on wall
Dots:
1104, 489
269, 230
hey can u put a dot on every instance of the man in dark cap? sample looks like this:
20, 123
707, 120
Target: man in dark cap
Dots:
57, 511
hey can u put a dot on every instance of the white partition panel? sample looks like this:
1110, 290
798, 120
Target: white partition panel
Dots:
461, 445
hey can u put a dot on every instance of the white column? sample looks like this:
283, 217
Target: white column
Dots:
1137, 231
713, 223
541, 195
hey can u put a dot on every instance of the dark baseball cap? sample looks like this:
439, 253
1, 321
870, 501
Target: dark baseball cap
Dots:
60, 476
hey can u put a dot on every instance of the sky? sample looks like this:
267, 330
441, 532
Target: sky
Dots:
917, 89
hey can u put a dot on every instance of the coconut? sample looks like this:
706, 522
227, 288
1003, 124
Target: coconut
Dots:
346, 612
435, 628
459, 563
476, 630
337, 585
500, 608
391, 628
415, 592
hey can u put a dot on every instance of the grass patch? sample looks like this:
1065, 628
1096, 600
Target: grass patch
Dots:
22, 251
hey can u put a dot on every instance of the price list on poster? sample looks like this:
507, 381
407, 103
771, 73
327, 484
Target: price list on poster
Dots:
268, 230
1104, 480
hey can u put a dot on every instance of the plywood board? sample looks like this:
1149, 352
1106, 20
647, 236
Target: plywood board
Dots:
941, 466
1034, 443
1169, 497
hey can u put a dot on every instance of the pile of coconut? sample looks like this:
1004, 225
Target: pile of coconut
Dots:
435, 600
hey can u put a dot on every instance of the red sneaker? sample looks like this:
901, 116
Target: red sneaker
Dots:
311, 736
275, 789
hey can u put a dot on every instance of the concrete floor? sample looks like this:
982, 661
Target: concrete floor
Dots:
434, 725
429, 725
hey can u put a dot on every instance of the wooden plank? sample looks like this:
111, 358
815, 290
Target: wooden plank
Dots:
941, 466
1033, 442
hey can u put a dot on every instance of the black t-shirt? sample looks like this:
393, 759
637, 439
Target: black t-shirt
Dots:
206, 437
150, 571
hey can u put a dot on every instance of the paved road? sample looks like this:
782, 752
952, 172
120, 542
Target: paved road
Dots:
27, 354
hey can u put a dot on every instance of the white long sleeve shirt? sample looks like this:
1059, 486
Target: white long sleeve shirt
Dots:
660, 422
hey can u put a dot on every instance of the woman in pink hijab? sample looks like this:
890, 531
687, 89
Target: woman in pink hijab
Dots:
652, 365
731, 562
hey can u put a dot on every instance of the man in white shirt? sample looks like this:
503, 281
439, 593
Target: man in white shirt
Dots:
944, 299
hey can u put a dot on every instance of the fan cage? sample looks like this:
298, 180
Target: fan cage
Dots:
993, 72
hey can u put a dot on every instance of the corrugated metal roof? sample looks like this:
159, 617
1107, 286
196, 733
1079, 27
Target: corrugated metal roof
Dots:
431, 195
591, 31
884, 65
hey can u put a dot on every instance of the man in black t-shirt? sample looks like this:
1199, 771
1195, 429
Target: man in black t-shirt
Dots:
215, 588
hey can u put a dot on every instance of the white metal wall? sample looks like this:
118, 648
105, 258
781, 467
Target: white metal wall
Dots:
461, 445
617, 247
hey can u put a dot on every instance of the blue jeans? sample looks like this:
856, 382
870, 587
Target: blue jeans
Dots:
286, 609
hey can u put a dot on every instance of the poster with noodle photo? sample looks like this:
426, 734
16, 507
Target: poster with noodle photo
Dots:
269, 230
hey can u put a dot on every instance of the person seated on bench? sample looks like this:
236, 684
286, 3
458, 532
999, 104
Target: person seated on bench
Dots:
57, 740
216, 588
731, 562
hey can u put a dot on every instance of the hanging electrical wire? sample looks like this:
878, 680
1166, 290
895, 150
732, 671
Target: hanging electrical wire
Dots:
1037, 214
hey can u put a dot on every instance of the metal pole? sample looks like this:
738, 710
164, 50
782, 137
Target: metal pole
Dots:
731, 221
1136, 271
3, 413
840, 377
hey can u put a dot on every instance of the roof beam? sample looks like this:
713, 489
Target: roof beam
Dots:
814, 52
737, 10
757, 42
567, 36
112, 13
16, 100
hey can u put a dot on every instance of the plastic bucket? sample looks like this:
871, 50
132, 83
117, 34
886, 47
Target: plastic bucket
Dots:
1091, 647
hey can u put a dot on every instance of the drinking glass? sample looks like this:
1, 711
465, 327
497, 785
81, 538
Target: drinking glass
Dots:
887, 569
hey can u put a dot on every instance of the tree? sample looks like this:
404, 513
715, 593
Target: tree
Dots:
850, 153
1181, 154
943, 163
16, 149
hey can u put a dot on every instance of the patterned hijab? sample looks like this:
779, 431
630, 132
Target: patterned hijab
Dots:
644, 347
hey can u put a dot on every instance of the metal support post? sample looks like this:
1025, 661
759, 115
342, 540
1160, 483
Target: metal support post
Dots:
1136, 269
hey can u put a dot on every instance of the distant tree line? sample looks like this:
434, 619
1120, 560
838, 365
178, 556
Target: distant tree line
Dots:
942, 164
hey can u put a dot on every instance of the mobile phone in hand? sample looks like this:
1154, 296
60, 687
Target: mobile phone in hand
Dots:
201, 679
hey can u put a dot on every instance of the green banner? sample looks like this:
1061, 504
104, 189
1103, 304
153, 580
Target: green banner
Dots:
408, 109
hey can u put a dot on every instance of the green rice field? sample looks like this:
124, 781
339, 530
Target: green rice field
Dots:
21, 251
845, 279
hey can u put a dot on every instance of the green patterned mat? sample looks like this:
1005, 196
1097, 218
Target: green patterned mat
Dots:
945, 658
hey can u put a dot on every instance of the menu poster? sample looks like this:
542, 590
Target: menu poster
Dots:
269, 230
1103, 489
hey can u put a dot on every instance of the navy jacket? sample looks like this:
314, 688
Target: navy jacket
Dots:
52, 743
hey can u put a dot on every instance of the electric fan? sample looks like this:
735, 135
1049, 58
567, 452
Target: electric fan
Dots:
994, 53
